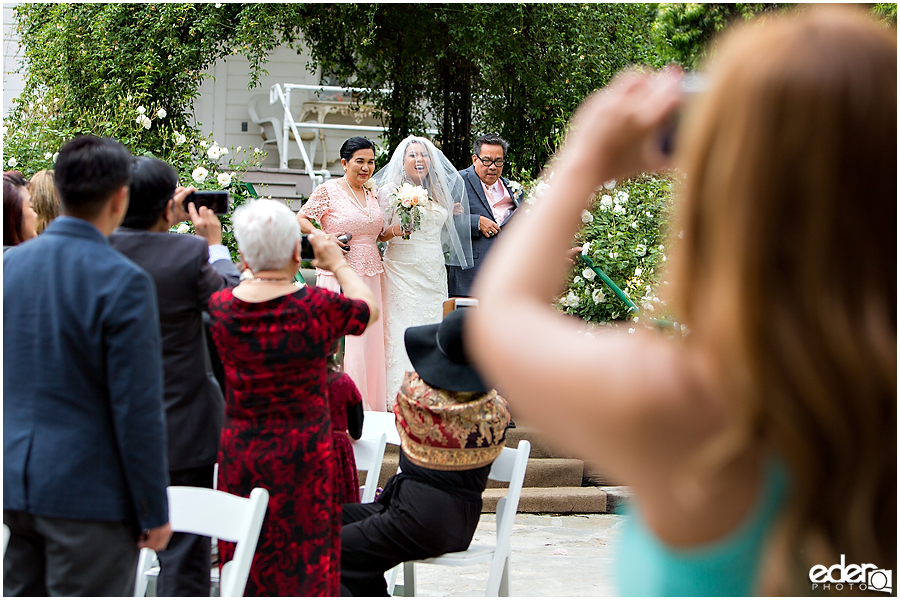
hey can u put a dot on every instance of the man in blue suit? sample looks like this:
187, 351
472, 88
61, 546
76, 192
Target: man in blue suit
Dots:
84, 438
492, 203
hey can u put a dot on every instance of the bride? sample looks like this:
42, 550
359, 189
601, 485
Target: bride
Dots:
414, 284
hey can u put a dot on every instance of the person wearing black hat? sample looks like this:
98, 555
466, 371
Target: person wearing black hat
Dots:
452, 427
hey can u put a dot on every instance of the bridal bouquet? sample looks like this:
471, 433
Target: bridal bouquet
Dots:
405, 200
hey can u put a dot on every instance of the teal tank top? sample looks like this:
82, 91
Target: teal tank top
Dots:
728, 567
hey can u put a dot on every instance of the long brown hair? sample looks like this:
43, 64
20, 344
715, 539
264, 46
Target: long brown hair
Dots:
44, 198
13, 205
786, 271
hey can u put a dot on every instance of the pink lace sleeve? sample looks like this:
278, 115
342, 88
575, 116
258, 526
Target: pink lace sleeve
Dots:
317, 205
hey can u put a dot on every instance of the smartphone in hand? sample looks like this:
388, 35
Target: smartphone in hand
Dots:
306, 249
218, 201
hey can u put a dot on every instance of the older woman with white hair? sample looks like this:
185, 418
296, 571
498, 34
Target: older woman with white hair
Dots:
273, 339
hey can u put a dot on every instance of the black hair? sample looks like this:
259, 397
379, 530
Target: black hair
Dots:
153, 184
491, 139
88, 170
354, 145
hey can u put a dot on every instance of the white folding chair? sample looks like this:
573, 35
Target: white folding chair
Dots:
369, 454
375, 422
5, 538
510, 466
212, 513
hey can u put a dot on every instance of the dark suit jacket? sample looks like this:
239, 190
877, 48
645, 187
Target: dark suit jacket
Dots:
459, 281
179, 265
84, 434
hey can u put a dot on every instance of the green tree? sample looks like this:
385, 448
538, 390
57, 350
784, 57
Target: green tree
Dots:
516, 69
684, 31
886, 12
545, 59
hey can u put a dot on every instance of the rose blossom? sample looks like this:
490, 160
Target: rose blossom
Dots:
199, 174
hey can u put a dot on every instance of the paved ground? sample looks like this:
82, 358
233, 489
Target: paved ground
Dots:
568, 555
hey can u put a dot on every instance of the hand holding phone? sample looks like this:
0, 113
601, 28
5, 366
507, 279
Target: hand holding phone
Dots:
218, 201
692, 85
206, 224
306, 249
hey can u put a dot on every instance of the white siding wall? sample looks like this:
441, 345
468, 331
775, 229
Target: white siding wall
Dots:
221, 107
12, 82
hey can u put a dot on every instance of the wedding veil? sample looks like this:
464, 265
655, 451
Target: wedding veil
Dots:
444, 185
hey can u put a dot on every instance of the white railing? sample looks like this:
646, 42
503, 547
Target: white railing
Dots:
281, 92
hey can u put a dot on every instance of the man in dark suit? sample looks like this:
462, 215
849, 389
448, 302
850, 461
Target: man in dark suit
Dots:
84, 437
492, 204
187, 270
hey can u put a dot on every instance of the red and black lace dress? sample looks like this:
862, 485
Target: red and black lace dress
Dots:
342, 394
277, 433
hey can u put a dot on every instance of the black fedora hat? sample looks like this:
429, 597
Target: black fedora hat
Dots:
437, 354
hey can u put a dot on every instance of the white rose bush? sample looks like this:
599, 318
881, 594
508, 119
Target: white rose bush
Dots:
36, 130
623, 234
205, 165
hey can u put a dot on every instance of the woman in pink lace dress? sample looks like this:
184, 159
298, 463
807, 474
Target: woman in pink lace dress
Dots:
348, 205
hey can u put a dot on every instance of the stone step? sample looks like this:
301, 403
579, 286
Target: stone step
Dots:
289, 185
539, 447
541, 473
595, 477
559, 500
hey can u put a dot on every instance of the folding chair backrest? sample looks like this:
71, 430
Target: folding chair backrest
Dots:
505, 464
218, 514
509, 467
369, 454
375, 422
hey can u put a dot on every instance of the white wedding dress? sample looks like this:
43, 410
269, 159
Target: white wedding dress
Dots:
414, 288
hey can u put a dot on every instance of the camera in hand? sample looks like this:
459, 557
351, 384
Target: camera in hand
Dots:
218, 201
692, 85
306, 249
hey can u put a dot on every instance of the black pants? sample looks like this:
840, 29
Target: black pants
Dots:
184, 565
65, 557
411, 521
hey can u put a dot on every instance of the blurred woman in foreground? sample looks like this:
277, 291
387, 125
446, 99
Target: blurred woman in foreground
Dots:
274, 341
763, 443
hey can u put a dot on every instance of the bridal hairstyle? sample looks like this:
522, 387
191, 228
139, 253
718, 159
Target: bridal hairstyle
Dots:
267, 233
786, 273
44, 198
444, 185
